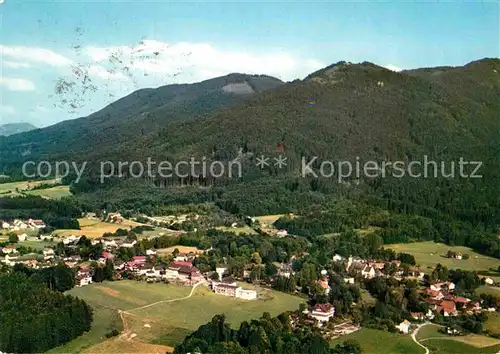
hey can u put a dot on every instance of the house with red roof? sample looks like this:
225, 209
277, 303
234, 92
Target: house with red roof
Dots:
184, 271
324, 285
139, 259
460, 300
434, 294
106, 256
447, 308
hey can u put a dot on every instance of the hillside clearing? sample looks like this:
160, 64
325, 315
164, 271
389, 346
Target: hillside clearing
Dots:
94, 228
167, 323
25, 187
269, 219
125, 345
428, 254
373, 341
182, 249
52, 193
489, 290
238, 230
429, 336
493, 323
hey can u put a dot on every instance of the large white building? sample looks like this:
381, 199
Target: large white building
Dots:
322, 312
231, 288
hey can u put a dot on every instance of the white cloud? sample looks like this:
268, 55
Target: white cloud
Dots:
35, 55
15, 65
103, 73
17, 84
191, 62
7, 110
393, 68
42, 109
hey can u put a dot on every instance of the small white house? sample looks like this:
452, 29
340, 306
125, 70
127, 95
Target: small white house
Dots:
22, 237
282, 233
19, 224
48, 253
349, 280
404, 326
72, 239
128, 244
83, 279
368, 272
5, 225
488, 280
337, 258
9, 249
109, 243
150, 252
9, 258
36, 224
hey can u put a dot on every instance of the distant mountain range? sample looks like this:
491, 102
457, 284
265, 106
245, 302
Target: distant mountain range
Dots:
139, 114
14, 128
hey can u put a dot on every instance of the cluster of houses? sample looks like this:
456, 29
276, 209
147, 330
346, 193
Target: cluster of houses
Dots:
368, 269
441, 300
17, 224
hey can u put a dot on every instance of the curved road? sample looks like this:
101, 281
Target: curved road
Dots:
414, 337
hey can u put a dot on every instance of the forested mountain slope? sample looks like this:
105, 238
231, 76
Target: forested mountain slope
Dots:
138, 114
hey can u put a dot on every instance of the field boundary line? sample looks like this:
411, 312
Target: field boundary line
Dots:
169, 300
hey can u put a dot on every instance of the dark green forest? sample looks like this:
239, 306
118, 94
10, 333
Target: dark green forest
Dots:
360, 111
34, 319
266, 335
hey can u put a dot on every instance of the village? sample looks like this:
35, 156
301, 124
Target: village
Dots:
179, 268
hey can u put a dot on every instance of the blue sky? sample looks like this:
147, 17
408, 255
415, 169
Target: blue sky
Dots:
124, 46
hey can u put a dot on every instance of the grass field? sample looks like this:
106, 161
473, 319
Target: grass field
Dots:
490, 290
38, 245
182, 249
168, 323
441, 343
444, 346
373, 341
238, 230
15, 189
428, 254
493, 322
52, 193
268, 219
93, 228
120, 345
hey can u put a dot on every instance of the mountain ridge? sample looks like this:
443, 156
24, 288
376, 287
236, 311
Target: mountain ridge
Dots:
15, 128
139, 113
